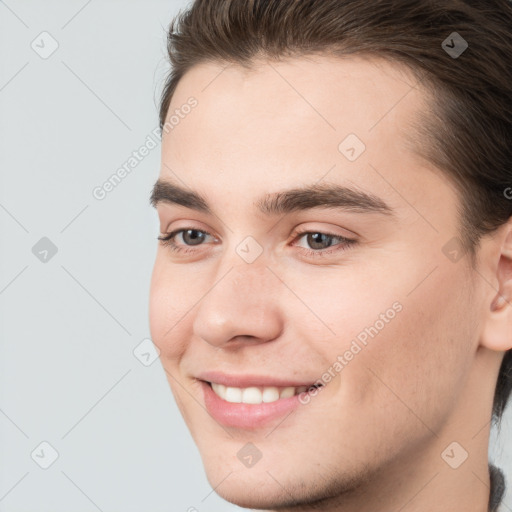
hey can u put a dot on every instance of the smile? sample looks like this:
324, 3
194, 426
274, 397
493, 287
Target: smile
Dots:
256, 395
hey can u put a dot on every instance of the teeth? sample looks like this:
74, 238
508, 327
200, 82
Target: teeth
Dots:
287, 392
252, 396
233, 395
255, 395
270, 394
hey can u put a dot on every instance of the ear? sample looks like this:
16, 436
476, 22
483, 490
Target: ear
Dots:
497, 332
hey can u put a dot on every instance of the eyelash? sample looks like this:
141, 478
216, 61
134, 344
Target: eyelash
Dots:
346, 243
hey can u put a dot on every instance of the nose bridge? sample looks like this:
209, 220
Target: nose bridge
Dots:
247, 278
242, 301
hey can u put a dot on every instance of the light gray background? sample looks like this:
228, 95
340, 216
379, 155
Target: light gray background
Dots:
69, 326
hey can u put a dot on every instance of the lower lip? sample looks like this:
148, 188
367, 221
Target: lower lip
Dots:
248, 416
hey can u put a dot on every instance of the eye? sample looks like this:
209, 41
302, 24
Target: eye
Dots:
190, 237
317, 240
320, 242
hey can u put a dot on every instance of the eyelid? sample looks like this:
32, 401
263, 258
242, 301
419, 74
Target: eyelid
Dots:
328, 228
187, 224
300, 234
168, 236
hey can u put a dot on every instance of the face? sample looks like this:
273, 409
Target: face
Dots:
309, 246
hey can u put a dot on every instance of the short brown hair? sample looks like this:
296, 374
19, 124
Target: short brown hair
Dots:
468, 131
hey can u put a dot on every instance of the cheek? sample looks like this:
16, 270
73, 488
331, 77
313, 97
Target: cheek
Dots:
167, 311
340, 305
403, 346
417, 363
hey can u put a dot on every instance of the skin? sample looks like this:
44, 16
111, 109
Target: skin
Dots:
372, 439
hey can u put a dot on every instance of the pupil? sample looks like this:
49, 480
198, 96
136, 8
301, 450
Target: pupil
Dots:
316, 238
195, 239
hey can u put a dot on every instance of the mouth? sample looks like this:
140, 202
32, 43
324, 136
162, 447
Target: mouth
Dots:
256, 395
251, 401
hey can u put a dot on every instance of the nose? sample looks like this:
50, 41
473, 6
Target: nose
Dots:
241, 307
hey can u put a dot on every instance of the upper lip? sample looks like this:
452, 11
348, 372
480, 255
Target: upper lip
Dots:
249, 380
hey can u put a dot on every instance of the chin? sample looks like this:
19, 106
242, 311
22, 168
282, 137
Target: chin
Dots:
259, 492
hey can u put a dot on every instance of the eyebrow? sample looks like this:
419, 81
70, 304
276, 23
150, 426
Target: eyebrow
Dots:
326, 195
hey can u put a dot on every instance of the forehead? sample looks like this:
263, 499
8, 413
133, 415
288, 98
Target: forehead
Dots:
300, 104
331, 93
292, 121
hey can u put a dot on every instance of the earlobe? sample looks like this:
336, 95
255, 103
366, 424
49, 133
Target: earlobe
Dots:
498, 303
497, 333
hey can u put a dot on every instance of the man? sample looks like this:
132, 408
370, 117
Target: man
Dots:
332, 292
